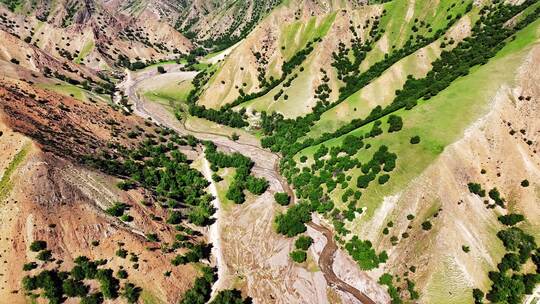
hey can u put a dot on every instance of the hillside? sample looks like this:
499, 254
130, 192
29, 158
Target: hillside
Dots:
265, 151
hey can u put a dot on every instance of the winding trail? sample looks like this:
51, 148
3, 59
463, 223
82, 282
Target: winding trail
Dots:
266, 164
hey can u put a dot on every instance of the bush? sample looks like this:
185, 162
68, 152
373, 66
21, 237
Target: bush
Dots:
94, 298
524, 183
131, 293
30, 266
476, 189
383, 179
152, 237
511, 219
122, 274
117, 209
299, 256
427, 225
121, 252
73, 288
364, 254
44, 255
303, 242
282, 198
509, 261
293, 221
478, 296
175, 218
38, 245
496, 196
395, 122
415, 140
229, 297
109, 285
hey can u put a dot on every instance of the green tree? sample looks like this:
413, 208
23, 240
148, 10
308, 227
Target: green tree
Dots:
282, 198
299, 256
303, 242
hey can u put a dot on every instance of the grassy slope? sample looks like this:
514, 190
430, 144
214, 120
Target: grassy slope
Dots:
441, 120
6, 183
294, 37
223, 186
381, 91
87, 48
74, 91
399, 21
170, 93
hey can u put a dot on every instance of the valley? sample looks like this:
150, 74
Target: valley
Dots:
267, 151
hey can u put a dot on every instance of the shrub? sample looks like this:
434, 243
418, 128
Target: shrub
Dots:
122, 274
229, 297
131, 293
509, 261
282, 198
121, 252
476, 189
303, 242
511, 219
152, 237
175, 218
364, 254
109, 285
117, 209
30, 266
44, 255
383, 179
496, 196
524, 183
293, 221
299, 256
478, 296
395, 122
426, 225
74, 288
415, 140
38, 245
